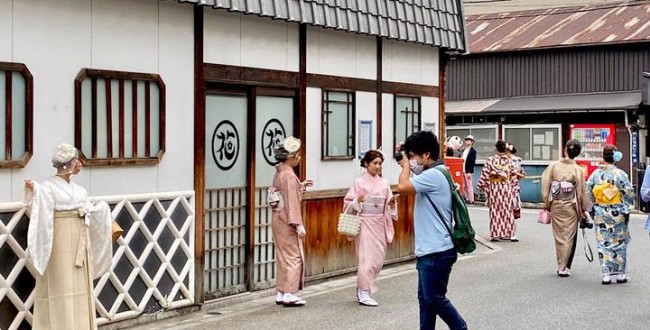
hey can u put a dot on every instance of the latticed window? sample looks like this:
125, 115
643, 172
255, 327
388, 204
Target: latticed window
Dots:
407, 117
16, 104
119, 117
338, 125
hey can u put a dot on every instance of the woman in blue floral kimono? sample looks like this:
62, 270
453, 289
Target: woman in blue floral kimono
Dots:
612, 194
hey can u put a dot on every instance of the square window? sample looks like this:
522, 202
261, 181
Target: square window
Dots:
119, 117
338, 125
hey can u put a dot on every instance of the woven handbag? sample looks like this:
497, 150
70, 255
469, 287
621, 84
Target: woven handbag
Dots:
349, 224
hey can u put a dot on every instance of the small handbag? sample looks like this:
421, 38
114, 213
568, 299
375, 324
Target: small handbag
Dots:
517, 213
544, 217
349, 224
117, 230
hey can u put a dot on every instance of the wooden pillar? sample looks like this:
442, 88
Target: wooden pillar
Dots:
442, 76
199, 156
302, 96
379, 124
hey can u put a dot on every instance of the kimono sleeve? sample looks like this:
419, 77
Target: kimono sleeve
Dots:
547, 177
484, 179
352, 195
292, 200
589, 187
581, 195
390, 211
100, 220
625, 186
41, 226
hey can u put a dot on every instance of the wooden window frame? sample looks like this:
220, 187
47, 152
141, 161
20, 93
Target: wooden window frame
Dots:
351, 129
121, 158
29, 115
419, 127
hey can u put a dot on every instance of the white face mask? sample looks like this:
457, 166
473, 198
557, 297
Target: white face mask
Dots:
415, 167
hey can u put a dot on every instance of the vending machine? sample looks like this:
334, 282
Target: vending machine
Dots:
592, 137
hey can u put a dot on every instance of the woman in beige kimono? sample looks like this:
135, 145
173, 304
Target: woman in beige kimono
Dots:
371, 196
564, 195
288, 228
69, 243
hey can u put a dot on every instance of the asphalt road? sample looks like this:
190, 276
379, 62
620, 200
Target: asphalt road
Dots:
511, 287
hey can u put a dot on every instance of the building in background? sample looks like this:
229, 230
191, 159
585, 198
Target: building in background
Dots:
175, 106
477, 7
534, 78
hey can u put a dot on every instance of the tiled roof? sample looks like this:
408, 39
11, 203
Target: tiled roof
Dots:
430, 22
560, 27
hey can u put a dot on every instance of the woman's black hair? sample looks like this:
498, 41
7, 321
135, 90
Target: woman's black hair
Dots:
369, 156
500, 145
573, 148
608, 153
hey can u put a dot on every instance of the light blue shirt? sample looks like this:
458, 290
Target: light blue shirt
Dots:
645, 190
431, 236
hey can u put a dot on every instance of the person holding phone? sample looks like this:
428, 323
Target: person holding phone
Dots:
371, 196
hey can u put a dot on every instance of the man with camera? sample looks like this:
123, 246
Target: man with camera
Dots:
434, 250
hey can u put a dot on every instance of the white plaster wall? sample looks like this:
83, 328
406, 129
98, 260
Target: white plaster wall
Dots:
410, 63
334, 174
57, 39
250, 41
341, 54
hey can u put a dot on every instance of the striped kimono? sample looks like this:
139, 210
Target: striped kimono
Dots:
496, 182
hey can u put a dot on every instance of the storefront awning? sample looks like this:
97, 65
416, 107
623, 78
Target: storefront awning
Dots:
546, 104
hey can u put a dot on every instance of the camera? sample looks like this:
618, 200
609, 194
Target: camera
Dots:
398, 155
584, 223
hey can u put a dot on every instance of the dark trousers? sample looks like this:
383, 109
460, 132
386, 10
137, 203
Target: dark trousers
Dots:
433, 276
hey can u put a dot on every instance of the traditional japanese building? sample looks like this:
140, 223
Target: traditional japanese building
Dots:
174, 106
539, 78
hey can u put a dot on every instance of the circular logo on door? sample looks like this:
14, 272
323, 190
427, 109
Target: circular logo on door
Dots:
225, 145
272, 135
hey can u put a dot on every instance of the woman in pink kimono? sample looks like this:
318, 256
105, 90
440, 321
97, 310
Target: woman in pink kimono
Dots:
371, 195
496, 182
287, 225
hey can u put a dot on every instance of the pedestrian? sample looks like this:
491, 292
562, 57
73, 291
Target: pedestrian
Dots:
520, 174
371, 196
645, 194
69, 244
469, 161
287, 226
611, 193
434, 250
564, 195
495, 182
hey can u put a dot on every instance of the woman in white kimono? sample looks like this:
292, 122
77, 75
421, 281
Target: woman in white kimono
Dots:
288, 228
371, 195
69, 243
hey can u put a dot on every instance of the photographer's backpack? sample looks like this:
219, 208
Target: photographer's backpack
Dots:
463, 234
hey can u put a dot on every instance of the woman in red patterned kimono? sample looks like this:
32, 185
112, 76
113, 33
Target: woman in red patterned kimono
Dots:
496, 182
371, 195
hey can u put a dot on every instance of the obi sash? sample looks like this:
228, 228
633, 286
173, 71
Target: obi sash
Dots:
562, 190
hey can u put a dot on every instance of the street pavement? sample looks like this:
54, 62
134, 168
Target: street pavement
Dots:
503, 285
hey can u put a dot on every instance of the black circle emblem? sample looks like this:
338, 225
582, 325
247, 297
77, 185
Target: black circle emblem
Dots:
272, 135
225, 145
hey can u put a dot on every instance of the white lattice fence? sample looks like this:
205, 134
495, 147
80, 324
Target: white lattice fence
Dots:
153, 262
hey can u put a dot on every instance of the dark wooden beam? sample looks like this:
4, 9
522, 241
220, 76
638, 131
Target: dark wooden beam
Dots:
379, 91
409, 89
302, 95
442, 76
199, 156
249, 76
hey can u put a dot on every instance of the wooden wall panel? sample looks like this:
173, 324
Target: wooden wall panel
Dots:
328, 253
